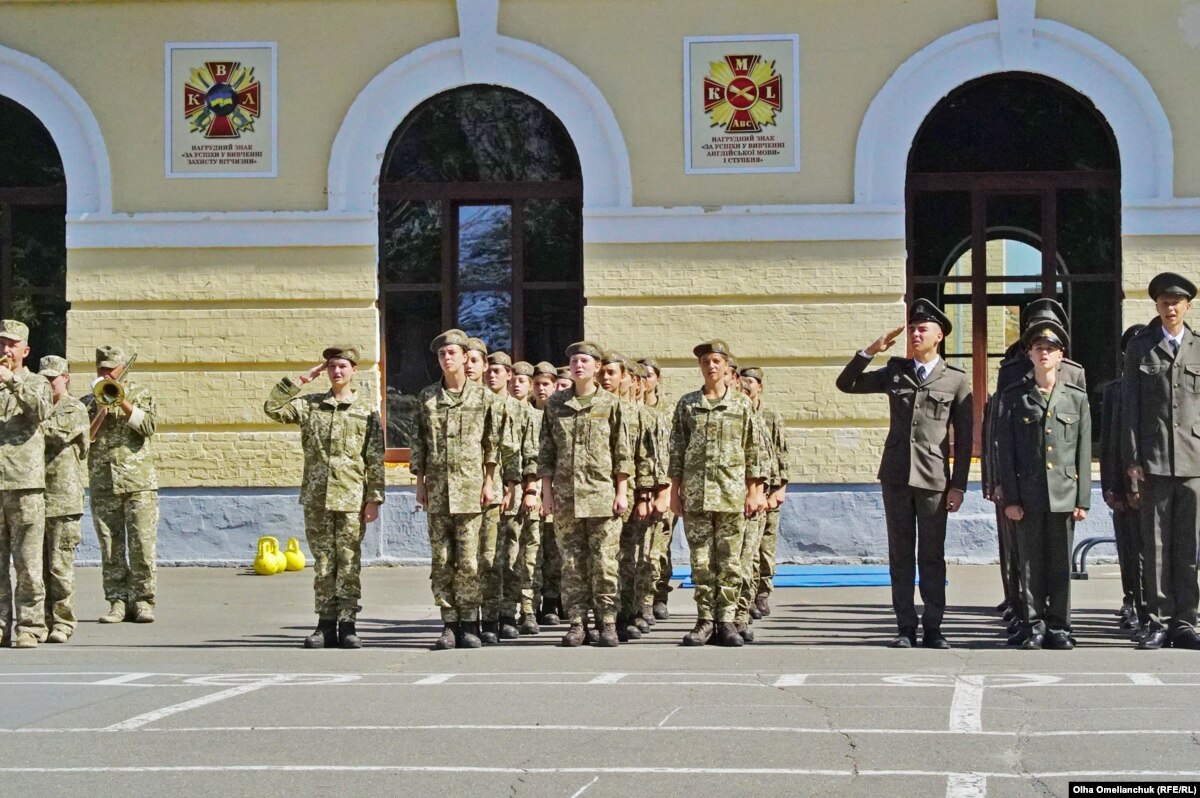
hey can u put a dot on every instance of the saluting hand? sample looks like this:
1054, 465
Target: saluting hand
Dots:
884, 342
312, 373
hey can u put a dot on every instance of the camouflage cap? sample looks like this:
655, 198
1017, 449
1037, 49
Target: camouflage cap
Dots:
450, 338
109, 357
733, 364
544, 368
753, 372
499, 359
523, 368
638, 370
342, 351
611, 356
14, 330
589, 348
477, 345
52, 366
563, 372
651, 364
716, 345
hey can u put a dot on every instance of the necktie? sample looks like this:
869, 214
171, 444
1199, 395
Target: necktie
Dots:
1174, 346
920, 374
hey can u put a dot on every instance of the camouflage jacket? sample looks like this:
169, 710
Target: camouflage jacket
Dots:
657, 418
517, 414
457, 437
582, 450
342, 443
777, 434
121, 460
715, 447
25, 402
531, 443
67, 445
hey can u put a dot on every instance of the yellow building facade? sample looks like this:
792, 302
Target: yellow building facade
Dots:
223, 285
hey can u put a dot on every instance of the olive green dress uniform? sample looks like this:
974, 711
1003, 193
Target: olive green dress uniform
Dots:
915, 474
1045, 461
1160, 419
25, 402
458, 437
716, 447
67, 443
343, 471
124, 492
584, 447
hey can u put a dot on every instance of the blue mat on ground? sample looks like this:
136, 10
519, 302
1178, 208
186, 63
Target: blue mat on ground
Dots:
815, 576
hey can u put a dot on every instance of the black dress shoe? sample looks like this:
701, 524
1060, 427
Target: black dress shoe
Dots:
1019, 637
1002, 606
906, 639
1059, 641
935, 640
1014, 626
1009, 615
1142, 634
1156, 639
1033, 643
1186, 638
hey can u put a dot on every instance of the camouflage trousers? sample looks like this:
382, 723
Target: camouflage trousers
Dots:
58, 570
664, 568
454, 574
508, 555
527, 562
548, 581
22, 531
715, 541
335, 540
633, 568
589, 566
127, 528
491, 565
751, 543
765, 572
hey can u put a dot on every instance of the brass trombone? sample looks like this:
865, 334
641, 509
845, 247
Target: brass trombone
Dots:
109, 392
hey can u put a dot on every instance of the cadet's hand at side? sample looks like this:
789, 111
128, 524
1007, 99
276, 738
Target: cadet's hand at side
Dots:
1014, 512
954, 500
1080, 514
370, 512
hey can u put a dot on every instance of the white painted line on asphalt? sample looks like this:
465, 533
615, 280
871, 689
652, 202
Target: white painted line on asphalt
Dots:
1144, 679
791, 680
966, 707
670, 715
124, 678
137, 721
435, 678
966, 785
583, 789
608, 678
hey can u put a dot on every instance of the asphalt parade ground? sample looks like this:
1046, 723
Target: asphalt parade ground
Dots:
218, 698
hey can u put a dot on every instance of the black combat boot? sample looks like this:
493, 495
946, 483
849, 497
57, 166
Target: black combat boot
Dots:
467, 635
632, 630
529, 625
590, 634
648, 615
699, 634
608, 636
508, 628
324, 636
640, 622
348, 635
446, 641
728, 635
574, 636
550, 615
660, 610
745, 631
490, 634
762, 604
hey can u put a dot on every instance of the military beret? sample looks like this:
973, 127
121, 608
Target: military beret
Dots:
52, 366
563, 372
589, 348
477, 345
924, 310
1044, 308
609, 356
716, 346
753, 372
109, 357
651, 364
1171, 283
341, 351
449, 338
1131, 331
1048, 330
14, 330
499, 359
523, 368
542, 367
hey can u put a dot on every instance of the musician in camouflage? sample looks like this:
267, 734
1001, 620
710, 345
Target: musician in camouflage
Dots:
25, 402
67, 443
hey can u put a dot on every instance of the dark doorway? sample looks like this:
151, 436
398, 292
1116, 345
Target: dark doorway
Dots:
1013, 193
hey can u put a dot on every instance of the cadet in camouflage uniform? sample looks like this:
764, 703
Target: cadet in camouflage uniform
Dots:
454, 458
716, 484
764, 567
124, 490
67, 441
751, 384
518, 544
564, 382
492, 568
25, 402
342, 486
585, 462
657, 415
548, 571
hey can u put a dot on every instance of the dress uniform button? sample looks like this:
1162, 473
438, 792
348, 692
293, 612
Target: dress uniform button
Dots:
1049, 466
1049, 448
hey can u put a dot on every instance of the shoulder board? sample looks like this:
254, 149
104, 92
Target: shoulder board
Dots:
896, 362
1019, 385
953, 367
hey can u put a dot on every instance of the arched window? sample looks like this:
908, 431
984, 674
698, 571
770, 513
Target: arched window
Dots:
1013, 193
33, 238
480, 227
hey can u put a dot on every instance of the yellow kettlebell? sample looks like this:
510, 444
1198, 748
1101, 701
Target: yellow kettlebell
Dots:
265, 563
280, 558
295, 557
